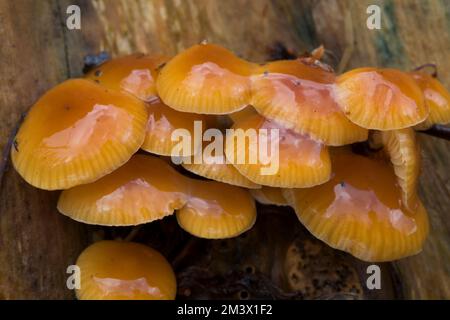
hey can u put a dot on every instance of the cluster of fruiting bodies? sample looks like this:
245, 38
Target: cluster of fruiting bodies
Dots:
82, 136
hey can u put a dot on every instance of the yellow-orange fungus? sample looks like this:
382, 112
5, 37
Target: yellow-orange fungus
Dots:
116, 270
135, 74
270, 155
242, 114
404, 153
437, 98
216, 210
147, 188
76, 133
143, 190
205, 78
360, 211
162, 122
300, 96
382, 99
214, 166
269, 196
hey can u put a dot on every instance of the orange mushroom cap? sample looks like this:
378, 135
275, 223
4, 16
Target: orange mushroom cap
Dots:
302, 162
382, 99
76, 133
147, 188
213, 165
360, 211
115, 270
135, 74
269, 196
216, 210
143, 190
162, 123
207, 79
437, 98
300, 97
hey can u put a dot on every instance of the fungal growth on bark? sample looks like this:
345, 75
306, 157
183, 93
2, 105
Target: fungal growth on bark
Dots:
339, 149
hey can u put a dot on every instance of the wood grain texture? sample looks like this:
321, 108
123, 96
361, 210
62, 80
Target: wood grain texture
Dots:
36, 242
37, 51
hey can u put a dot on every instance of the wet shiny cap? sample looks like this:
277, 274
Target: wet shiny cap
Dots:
211, 163
268, 154
381, 99
216, 210
300, 97
167, 128
116, 270
135, 74
76, 133
207, 79
360, 211
437, 99
145, 189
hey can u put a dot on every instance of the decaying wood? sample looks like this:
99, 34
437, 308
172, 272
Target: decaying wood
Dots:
37, 51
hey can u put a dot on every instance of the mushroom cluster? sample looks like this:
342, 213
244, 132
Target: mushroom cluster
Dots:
106, 139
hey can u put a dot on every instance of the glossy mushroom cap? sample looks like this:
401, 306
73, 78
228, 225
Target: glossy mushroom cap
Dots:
360, 211
145, 189
296, 162
115, 270
300, 97
382, 99
163, 122
269, 196
207, 79
76, 133
211, 163
216, 210
135, 74
437, 99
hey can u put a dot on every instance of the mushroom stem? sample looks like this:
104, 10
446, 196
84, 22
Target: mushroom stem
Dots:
133, 233
439, 131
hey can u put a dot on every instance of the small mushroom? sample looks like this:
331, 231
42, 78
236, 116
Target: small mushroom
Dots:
381, 99
76, 133
437, 98
207, 79
360, 211
135, 74
300, 97
162, 123
145, 189
297, 162
216, 210
269, 196
116, 270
